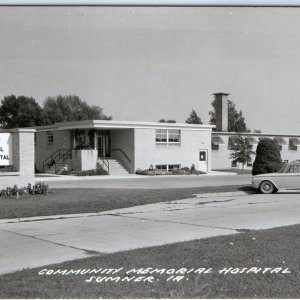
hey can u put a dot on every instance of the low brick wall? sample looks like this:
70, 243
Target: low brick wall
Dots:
9, 179
84, 159
23, 159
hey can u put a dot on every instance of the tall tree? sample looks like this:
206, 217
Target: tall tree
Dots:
236, 120
242, 152
20, 111
71, 108
193, 118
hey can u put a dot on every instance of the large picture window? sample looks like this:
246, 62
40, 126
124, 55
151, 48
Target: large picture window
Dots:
167, 137
167, 167
161, 136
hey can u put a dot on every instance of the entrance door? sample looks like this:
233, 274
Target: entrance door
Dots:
203, 161
104, 146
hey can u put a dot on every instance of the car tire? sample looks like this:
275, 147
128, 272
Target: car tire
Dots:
267, 187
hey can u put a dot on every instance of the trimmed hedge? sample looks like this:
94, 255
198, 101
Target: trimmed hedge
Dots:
268, 158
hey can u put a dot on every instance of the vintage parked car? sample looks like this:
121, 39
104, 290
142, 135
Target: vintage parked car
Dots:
287, 178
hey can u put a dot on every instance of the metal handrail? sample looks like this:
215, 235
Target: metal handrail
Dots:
105, 162
59, 153
122, 153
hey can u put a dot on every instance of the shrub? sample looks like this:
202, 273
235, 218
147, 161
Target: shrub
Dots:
193, 168
185, 170
7, 169
176, 172
139, 171
36, 189
39, 188
101, 171
63, 172
98, 171
268, 158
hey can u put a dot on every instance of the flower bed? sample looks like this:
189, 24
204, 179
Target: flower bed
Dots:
7, 169
182, 171
36, 189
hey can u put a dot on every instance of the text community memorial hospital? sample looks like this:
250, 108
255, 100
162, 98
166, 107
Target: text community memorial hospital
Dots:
122, 147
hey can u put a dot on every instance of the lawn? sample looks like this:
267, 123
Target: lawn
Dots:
271, 248
72, 201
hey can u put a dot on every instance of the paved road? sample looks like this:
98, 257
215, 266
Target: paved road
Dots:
149, 182
45, 241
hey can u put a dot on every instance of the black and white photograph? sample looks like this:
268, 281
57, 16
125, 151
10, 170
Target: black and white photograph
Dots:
149, 152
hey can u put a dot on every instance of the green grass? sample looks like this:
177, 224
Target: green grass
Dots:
73, 201
277, 247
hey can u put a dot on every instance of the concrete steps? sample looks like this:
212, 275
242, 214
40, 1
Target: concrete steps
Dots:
116, 167
59, 167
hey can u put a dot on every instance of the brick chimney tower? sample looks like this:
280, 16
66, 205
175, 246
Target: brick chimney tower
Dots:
221, 111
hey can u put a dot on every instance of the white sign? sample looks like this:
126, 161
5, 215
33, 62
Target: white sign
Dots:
6, 149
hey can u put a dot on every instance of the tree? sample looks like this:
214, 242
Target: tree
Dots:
236, 120
71, 108
20, 111
168, 121
268, 158
193, 118
242, 152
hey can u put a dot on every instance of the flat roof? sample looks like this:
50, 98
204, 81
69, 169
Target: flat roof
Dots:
254, 134
113, 124
225, 94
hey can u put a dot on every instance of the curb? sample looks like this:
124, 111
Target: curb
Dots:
224, 194
48, 218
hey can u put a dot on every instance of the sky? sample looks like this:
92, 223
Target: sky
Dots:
148, 63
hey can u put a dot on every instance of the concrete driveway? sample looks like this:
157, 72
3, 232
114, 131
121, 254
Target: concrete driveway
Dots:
45, 240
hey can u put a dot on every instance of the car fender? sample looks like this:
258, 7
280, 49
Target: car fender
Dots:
258, 180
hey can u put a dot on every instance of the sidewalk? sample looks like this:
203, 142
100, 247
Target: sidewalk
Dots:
50, 177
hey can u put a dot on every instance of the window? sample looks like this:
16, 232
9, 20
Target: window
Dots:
215, 142
50, 138
162, 167
293, 143
232, 142
214, 147
233, 164
173, 136
167, 167
161, 136
280, 141
249, 164
173, 167
35, 139
168, 137
251, 140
